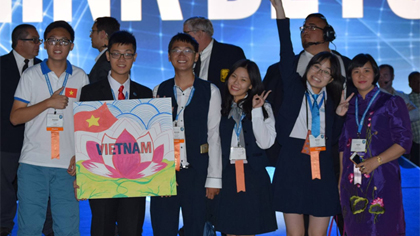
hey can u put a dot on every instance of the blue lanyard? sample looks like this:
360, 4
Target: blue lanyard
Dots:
113, 94
239, 128
309, 100
360, 124
188, 102
49, 83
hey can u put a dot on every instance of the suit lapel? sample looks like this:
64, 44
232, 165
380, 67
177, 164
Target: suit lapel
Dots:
106, 90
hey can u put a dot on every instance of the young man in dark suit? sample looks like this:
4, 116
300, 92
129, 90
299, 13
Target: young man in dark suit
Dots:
25, 45
215, 58
101, 30
128, 213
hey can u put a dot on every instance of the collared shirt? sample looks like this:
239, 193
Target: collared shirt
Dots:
20, 61
214, 170
205, 56
100, 54
415, 125
264, 130
300, 129
33, 89
115, 86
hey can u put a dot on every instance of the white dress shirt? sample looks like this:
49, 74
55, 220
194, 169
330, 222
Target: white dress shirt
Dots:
264, 130
300, 129
20, 61
214, 170
205, 56
115, 86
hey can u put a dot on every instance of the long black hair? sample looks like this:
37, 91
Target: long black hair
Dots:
257, 88
334, 88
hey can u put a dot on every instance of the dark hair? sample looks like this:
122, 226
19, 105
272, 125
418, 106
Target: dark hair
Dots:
122, 37
108, 24
20, 32
317, 15
59, 24
391, 69
186, 38
200, 23
413, 75
257, 88
334, 88
360, 60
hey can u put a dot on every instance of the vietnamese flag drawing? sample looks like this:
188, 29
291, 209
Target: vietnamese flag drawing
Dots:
71, 92
94, 121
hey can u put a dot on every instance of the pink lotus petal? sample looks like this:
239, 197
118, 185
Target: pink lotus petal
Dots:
92, 151
126, 164
101, 169
158, 154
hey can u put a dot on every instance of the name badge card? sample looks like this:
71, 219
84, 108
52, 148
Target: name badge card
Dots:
55, 122
237, 153
358, 145
317, 143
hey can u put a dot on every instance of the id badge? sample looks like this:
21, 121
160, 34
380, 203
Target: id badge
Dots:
237, 153
318, 143
55, 122
358, 145
179, 132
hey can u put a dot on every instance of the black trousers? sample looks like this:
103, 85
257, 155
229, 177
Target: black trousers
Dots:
191, 197
128, 213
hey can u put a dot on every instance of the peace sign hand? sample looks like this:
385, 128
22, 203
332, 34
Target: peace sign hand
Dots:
258, 100
343, 107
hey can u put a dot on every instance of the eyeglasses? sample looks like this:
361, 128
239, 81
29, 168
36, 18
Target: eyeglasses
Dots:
316, 68
61, 42
91, 31
186, 51
309, 27
34, 40
116, 55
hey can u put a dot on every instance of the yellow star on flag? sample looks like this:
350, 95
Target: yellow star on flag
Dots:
93, 121
71, 92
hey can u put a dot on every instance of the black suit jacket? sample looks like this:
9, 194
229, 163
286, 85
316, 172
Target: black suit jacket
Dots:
11, 136
100, 69
222, 58
101, 91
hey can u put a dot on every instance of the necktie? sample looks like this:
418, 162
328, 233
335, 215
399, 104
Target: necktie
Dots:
26, 65
315, 117
197, 66
120, 93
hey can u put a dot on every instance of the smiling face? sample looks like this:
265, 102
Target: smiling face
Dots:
362, 78
239, 83
58, 52
120, 66
185, 58
319, 75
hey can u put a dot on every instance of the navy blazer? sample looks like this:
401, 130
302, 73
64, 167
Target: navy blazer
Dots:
222, 58
11, 136
100, 69
101, 91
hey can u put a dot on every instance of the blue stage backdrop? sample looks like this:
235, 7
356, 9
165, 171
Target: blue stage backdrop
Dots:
386, 29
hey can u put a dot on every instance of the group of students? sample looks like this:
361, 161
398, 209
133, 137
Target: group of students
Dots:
225, 138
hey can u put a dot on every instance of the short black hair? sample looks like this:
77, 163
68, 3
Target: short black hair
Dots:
182, 37
108, 24
317, 15
122, 37
20, 32
413, 75
59, 24
360, 60
334, 88
391, 69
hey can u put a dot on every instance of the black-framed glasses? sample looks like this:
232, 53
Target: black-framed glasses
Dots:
186, 51
309, 27
316, 68
117, 55
91, 31
61, 42
34, 40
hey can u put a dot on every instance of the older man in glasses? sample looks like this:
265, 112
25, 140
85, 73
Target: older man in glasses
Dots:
25, 45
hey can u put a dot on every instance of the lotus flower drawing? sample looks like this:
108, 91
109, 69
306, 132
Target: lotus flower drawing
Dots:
126, 159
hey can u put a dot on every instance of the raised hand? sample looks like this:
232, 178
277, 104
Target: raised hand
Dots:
258, 100
58, 101
343, 107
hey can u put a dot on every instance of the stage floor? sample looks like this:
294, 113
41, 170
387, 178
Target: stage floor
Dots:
410, 175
